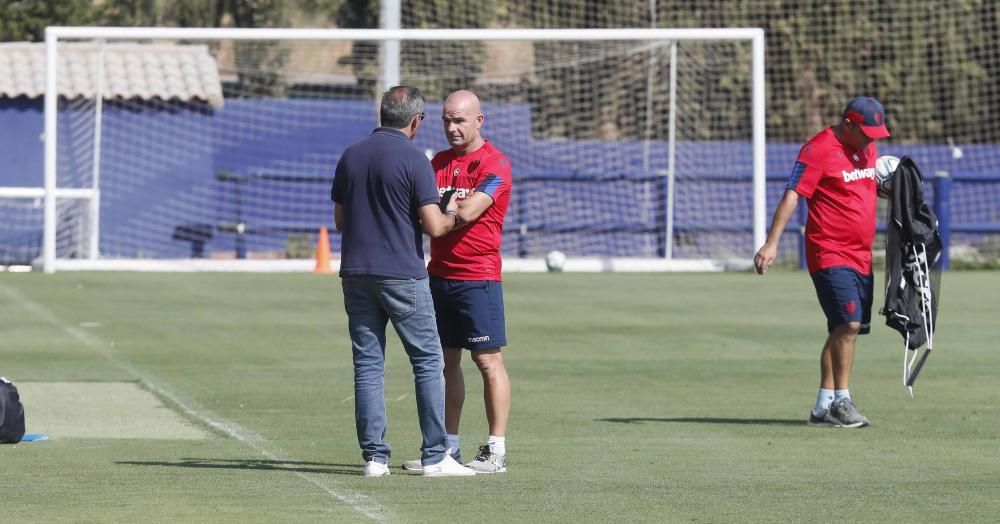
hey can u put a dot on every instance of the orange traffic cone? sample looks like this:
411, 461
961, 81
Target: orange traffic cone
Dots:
323, 252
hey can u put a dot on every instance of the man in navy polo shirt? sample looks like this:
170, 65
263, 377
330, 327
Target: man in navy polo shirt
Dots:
385, 197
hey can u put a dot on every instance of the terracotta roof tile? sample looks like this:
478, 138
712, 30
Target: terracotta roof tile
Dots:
131, 70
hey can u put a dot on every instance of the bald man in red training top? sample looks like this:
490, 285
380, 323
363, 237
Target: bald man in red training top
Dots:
465, 275
835, 173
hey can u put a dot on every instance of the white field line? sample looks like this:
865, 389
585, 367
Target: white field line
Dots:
358, 501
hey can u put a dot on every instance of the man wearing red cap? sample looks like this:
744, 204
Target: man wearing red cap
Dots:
835, 172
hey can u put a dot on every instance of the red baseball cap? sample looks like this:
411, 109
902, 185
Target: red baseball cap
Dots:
869, 115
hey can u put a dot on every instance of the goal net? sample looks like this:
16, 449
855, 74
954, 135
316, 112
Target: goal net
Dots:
220, 145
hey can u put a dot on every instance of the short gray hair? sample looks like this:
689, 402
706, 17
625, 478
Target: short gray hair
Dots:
399, 105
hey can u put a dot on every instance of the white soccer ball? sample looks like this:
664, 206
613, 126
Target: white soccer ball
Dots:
885, 168
555, 260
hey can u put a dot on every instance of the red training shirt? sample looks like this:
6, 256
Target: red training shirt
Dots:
840, 186
472, 252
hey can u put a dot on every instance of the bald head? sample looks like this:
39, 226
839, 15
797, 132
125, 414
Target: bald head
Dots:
463, 99
462, 119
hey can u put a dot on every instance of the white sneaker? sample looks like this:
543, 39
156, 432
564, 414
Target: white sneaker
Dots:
416, 465
376, 469
447, 468
487, 461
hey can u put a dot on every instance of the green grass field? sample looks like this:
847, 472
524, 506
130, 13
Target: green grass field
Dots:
636, 398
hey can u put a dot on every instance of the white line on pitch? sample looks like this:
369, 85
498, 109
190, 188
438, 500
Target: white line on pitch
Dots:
358, 501
401, 397
348, 399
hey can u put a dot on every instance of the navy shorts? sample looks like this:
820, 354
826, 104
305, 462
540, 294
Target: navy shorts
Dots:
469, 313
845, 295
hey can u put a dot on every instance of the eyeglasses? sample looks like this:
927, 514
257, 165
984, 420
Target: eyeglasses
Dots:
421, 116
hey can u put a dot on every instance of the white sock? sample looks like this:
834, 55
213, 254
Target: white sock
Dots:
841, 394
824, 399
453, 443
497, 444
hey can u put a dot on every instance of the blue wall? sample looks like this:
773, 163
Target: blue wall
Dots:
21, 146
159, 168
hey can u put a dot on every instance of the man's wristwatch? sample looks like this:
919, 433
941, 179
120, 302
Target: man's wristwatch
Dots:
453, 213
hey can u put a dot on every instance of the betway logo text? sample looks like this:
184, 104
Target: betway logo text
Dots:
858, 174
460, 193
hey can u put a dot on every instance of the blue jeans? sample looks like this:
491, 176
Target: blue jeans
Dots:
371, 302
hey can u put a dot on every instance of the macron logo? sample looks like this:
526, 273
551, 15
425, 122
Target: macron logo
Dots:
484, 338
858, 174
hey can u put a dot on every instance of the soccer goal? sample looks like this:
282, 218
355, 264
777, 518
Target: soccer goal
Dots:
170, 148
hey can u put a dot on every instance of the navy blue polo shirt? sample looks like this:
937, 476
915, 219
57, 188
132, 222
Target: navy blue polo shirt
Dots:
381, 182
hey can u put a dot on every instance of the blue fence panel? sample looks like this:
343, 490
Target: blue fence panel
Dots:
229, 180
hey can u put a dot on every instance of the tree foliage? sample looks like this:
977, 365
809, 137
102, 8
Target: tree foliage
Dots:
932, 62
26, 20
460, 63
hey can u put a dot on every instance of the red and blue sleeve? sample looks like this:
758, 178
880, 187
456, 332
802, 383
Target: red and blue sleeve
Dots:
496, 178
806, 173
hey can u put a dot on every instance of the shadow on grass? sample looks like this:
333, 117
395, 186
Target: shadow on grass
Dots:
253, 464
708, 420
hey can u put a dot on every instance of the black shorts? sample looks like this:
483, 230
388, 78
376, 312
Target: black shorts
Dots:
845, 296
469, 313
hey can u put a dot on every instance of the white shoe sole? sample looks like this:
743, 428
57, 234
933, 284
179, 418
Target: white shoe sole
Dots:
448, 468
374, 474
482, 472
449, 474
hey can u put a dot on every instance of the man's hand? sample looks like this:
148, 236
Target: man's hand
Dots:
447, 201
764, 258
769, 251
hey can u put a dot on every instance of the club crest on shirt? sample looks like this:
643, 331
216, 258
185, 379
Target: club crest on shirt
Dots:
473, 165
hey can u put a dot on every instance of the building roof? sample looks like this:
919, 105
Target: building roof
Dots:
131, 70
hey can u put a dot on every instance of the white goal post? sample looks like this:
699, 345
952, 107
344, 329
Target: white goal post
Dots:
91, 196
